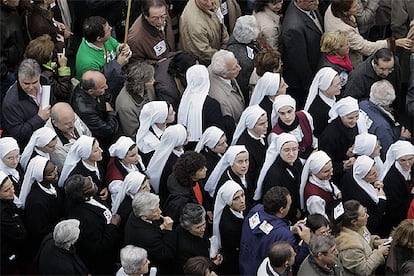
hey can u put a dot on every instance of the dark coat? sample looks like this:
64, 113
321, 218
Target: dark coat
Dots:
335, 140
19, 114
41, 213
212, 115
230, 231
160, 244
61, 85
13, 236
351, 190
95, 236
189, 246
399, 197
92, 111
267, 105
277, 175
17, 184
82, 170
319, 111
166, 172
245, 61
57, 261
363, 76
301, 51
257, 154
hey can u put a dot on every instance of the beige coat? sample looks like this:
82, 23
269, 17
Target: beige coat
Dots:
201, 32
356, 254
269, 25
358, 45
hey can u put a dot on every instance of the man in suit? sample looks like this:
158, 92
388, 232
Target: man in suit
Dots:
301, 34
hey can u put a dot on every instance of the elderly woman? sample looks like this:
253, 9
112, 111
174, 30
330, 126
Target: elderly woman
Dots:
267, 89
335, 54
153, 119
57, 255
146, 228
242, 44
402, 248
42, 49
197, 110
316, 189
9, 162
134, 261
380, 116
227, 225
191, 238
368, 144
13, 232
99, 230
124, 159
362, 184
42, 142
185, 184
340, 15
325, 87
397, 177
41, 200
282, 167
83, 159
355, 243
285, 119
251, 132
234, 165
170, 79
161, 164
212, 145
339, 135
137, 91
268, 16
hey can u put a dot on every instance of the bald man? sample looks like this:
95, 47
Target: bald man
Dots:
68, 127
91, 104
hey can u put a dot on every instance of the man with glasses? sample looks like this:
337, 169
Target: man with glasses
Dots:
322, 259
151, 37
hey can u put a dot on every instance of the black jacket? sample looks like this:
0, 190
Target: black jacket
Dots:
103, 125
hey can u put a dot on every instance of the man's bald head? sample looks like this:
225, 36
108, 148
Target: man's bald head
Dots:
63, 117
93, 83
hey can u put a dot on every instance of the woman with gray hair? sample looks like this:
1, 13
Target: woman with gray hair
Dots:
148, 229
57, 255
380, 116
243, 44
134, 261
191, 238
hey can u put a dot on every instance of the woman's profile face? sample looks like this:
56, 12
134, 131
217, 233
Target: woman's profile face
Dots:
7, 190
221, 145
200, 173
198, 229
11, 159
372, 175
354, 8
96, 154
406, 162
275, 6
50, 174
350, 120
335, 88
51, 147
89, 187
326, 172
132, 157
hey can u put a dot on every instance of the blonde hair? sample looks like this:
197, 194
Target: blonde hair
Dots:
332, 41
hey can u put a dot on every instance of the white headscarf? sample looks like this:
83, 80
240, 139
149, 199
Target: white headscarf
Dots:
322, 81
120, 147
210, 138
80, 150
396, 151
267, 85
174, 136
361, 168
40, 138
151, 113
7, 144
34, 172
271, 154
280, 101
313, 165
224, 197
365, 144
248, 119
226, 161
130, 186
190, 110
344, 107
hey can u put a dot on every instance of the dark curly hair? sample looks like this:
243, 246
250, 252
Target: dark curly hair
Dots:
186, 167
74, 188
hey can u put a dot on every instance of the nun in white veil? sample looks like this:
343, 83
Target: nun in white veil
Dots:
43, 141
326, 85
9, 162
368, 144
170, 148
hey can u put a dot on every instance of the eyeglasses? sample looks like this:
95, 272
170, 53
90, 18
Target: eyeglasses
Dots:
365, 213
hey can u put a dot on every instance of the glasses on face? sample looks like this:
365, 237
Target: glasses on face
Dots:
13, 158
365, 213
158, 18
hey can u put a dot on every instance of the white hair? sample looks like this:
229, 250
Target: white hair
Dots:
245, 30
144, 203
219, 60
382, 93
132, 258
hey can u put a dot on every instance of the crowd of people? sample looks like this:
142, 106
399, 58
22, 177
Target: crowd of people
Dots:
207, 137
